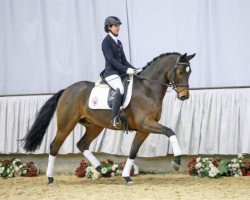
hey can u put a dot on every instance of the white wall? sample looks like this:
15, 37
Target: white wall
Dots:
48, 45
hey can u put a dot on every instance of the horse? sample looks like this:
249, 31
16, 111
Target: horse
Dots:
143, 112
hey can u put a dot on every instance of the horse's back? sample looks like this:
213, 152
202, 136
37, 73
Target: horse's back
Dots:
76, 93
80, 86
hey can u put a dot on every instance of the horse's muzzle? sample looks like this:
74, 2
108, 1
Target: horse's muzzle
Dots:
183, 94
184, 98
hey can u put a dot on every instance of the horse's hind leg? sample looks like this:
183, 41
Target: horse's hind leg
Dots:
92, 131
63, 130
137, 142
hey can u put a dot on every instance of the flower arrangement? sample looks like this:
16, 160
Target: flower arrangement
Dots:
108, 169
14, 167
215, 168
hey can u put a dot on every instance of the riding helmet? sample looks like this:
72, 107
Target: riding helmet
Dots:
112, 20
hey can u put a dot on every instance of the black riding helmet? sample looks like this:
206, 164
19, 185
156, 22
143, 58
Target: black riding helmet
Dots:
109, 21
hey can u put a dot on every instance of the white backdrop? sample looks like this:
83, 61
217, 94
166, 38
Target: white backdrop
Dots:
209, 122
46, 45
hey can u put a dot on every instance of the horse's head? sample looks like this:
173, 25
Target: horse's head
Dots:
178, 75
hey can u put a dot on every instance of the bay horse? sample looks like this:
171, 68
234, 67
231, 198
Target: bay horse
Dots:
143, 112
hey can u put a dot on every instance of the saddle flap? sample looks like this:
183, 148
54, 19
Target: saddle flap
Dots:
102, 95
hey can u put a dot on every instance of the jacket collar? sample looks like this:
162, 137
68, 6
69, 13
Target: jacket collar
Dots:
112, 40
113, 37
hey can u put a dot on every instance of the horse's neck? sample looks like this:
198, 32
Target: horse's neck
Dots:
155, 73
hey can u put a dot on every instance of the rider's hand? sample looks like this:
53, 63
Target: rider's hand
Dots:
130, 71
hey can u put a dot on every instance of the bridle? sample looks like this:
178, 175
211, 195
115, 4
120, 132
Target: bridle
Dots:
173, 73
172, 83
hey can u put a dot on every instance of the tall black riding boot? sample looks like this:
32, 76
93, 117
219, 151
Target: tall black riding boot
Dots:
115, 120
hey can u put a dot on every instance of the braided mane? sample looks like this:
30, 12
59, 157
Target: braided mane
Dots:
160, 56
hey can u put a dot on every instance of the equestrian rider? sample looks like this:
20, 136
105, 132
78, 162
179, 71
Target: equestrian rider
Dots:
115, 66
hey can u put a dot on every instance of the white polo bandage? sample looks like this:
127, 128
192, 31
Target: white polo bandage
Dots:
175, 145
127, 168
51, 166
91, 158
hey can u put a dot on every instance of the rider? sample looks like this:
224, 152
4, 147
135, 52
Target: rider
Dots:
115, 66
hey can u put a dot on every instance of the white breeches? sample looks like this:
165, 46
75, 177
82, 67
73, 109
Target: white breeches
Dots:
115, 82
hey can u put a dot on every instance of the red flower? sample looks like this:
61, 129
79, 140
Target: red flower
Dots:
80, 173
216, 163
6, 162
192, 162
104, 163
31, 174
248, 173
31, 169
246, 164
84, 164
110, 161
243, 171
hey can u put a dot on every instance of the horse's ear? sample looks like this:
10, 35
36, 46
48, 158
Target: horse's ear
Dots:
191, 56
183, 56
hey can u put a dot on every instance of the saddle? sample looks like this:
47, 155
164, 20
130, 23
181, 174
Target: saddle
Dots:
102, 95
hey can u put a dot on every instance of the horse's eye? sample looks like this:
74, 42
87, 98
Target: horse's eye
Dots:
187, 69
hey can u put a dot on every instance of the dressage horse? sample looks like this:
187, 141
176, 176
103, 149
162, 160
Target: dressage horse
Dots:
143, 112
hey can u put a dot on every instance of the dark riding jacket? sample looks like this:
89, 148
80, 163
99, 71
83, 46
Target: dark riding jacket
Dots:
116, 62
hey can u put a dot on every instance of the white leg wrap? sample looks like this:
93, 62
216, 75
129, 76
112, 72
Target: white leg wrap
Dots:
127, 168
51, 166
92, 159
136, 171
175, 145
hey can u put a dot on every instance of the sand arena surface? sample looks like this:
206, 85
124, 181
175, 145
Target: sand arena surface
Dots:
160, 186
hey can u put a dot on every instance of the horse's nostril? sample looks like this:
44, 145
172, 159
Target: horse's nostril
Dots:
183, 97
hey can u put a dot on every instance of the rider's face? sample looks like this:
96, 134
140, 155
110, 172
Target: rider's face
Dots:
115, 29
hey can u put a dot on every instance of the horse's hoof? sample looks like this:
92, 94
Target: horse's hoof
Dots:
177, 160
175, 166
50, 181
176, 163
128, 181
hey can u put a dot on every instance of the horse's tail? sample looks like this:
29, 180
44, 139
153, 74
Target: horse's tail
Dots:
34, 137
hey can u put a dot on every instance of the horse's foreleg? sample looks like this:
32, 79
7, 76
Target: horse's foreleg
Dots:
155, 127
92, 131
138, 140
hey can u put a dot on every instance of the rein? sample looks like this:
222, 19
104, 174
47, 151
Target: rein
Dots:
172, 83
144, 78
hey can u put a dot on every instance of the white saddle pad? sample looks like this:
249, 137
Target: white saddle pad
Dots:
99, 96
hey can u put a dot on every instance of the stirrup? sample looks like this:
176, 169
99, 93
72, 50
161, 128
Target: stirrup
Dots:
116, 122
